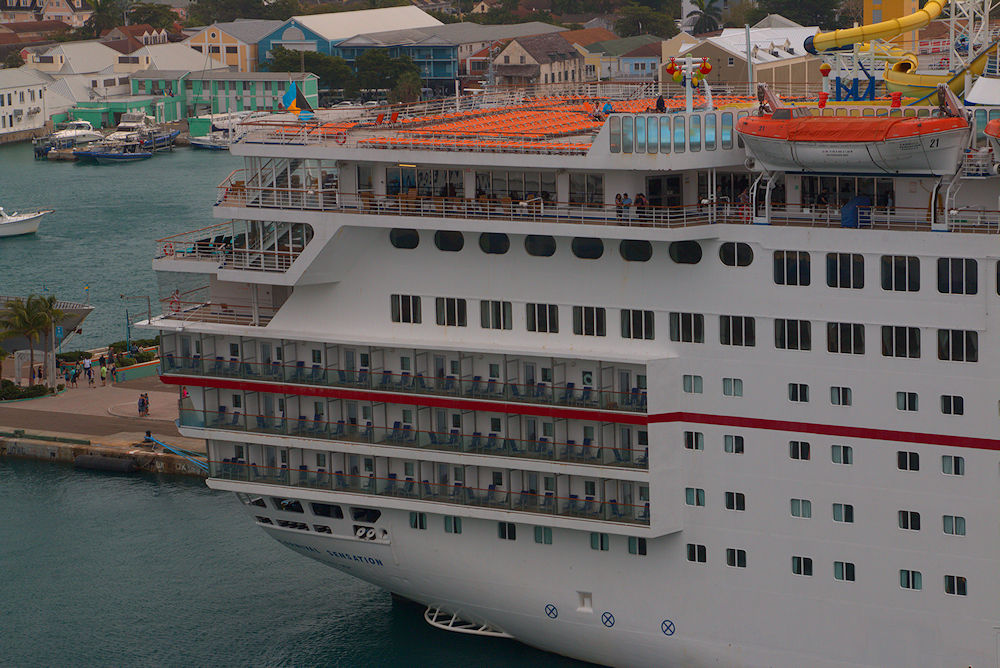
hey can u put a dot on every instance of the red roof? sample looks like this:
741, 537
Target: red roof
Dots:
587, 36
36, 26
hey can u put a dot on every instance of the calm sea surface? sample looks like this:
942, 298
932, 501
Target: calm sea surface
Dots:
103, 231
100, 570
109, 570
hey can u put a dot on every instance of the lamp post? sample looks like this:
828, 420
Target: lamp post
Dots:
149, 313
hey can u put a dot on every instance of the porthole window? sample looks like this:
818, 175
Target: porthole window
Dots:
540, 245
401, 237
685, 252
635, 251
494, 243
587, 248
735, 254
449, 241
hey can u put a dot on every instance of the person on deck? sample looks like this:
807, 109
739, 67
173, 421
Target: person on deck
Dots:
661, 104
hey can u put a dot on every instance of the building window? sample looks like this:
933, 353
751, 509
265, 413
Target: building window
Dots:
798, 450
957, 276
694, 440
418, 520
907, 461
845, 337
843, 570
732, 444
736, 558
802, 508
792, 334
588, 321
543, 535
842, 454
737, 330
911, 580
697, 553
843, 512
791, 268
952, 465
955, 585
840, 396
909, 520
452, 524
507, 530
732, 387
952, 404
954, 525
495, 314
736, 501
798, 392
958, 345
687, 327
900, 341
543, 318
694, 496
600, 541
692, 384
405, 308
735, 254
637, 324
637, 545
907, 401
900, 273
450, 311
802, 566
845, 270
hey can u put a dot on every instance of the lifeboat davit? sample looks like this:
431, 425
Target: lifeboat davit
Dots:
992, 130
793, 140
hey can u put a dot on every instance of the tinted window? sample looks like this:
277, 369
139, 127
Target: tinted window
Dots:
685, 252
636, 251
588, 248
449, 241
404, 238
365, 514
327, 510
539, 245
494, 243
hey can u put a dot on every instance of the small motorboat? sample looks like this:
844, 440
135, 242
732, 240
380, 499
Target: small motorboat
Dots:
213, 141
139, 125
13, 224
783, 139
69, 135
113, 152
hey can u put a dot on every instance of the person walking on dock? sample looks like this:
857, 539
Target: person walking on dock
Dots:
104, 375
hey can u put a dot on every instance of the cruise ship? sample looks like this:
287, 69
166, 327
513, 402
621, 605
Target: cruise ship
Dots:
706, 387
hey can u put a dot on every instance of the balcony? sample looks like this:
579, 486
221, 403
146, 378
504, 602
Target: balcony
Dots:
179, 309
475, 387
594, 507
244, 245
405, 436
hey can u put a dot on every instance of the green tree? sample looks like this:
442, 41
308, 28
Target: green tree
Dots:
106, 15
13, 59
333, 71
158, 16
850, 12
407, 88
709, 16
204, 12
641, 20
377, 70
23, 319
742, 14
49, 316
821, 13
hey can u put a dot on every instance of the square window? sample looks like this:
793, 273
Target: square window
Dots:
843, 570
694, 496
693, 384
600, 541
697, 553
840, 396
733, 444
952, 404
498, 478
952, 465
842, 454
798, 450
911, 580
907, 461
732, 387
543, 535
694, 440
637, 546
843, 512
736, 558
801, 508
736, 501
802, 566
954, 525
798, 392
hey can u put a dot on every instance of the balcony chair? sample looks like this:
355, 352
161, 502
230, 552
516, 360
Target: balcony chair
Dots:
569, 394
316, 375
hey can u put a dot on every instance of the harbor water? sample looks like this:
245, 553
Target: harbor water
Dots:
103, 231
102, 570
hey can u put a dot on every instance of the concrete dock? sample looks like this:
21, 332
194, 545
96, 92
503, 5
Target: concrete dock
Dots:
59, 427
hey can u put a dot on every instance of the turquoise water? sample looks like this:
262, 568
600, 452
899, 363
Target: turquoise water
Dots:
108, 570
102, 233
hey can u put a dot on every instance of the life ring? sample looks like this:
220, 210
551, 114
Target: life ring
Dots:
168, 249
340, 138
175, 304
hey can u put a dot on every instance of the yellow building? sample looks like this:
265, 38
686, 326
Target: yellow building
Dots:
885, 10
233, 43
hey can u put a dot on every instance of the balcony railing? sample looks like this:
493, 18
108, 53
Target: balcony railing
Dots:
225, 313
476, 387
400, 435
219, 244
535, 210
547, 503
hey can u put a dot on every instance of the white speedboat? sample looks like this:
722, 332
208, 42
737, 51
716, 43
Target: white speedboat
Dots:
217, 140
13, 224
80, 132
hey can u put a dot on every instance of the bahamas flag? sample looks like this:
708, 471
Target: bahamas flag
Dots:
294, 101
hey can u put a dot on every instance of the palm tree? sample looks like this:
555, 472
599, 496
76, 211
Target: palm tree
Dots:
709, 16
106, 15
23, 319
50, 315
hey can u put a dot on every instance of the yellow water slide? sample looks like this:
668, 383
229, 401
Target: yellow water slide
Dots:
885, 30
902, 77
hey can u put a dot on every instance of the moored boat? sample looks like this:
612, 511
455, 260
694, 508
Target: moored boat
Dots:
110, 153
13, 224
213, 141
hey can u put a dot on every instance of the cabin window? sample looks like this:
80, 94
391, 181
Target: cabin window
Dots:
652, 133
404, 238
735, 254
680, 135
587, 248
540, 245
727, 130
640, 134
685, 252
448, 240
635, 251
615, 133
494, 243
665, 134
628, 131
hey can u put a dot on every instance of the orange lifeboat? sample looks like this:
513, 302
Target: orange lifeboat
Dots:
793, 140
992, 130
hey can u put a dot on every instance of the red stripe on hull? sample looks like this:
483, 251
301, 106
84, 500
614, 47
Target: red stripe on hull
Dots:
519, 408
